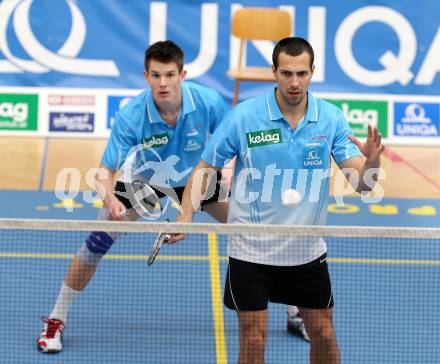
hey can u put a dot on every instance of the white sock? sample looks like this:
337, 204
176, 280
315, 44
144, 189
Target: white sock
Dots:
292, 311
65, 299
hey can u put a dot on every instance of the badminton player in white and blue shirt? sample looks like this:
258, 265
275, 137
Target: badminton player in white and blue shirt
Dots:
282, 140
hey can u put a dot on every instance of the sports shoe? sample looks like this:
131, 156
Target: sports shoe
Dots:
51, 338
295, 325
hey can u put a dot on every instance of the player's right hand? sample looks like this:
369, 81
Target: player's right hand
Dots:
115, 208
174, 238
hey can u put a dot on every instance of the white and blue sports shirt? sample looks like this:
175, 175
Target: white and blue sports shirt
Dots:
271, 158
139, 122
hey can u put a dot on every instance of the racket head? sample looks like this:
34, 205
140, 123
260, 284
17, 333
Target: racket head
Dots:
136, 163
144, 200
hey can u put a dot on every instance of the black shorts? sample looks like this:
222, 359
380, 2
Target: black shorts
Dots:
250, 286
120, 187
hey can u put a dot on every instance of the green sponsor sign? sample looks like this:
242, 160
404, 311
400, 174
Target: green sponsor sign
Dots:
360, 113
18, 112
156, 141
263, 137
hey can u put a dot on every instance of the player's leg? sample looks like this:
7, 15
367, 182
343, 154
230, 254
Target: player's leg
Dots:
253, 328
247, 289
323, 345
81, 270
85, 262
315, 302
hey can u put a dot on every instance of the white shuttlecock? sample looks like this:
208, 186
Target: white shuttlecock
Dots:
291, 198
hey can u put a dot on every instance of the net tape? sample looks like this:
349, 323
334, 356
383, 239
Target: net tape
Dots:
227, 229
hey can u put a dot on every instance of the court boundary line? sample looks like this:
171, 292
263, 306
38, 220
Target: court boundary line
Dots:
217, 302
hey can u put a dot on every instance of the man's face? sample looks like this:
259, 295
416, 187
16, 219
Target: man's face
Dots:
293, 76
164, 80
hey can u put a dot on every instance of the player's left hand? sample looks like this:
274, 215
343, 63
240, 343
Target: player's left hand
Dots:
372, 148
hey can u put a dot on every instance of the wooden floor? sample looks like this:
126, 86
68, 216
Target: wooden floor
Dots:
34, 163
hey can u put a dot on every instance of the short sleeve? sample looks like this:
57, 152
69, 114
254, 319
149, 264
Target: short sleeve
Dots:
224, 143
121, 140
343, 148
218, 111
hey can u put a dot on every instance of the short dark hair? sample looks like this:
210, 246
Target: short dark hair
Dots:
166, 52
293, 46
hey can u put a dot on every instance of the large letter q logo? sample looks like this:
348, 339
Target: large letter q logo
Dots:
43, 59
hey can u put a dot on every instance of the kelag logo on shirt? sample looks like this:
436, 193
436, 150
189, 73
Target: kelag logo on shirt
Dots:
156, 141
263, 137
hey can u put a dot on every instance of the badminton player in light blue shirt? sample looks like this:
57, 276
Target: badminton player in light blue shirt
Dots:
283, 140
161, 133
267, 145
184, 134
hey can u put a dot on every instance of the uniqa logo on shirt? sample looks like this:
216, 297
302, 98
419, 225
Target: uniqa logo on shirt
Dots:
156, 141
263, 137
313, 159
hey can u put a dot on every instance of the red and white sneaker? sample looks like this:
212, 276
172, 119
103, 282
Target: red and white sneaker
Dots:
295, 325
51, 338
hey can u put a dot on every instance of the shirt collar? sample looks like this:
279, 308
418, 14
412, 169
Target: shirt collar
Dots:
187, 101
276, 114
312, 108
272, 106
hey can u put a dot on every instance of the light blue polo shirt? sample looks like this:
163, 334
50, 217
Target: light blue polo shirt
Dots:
167, 151
271, 158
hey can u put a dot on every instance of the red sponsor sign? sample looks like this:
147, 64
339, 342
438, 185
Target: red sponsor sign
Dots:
71, 100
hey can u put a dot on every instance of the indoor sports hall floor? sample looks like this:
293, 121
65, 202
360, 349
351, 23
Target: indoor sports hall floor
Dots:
171, 312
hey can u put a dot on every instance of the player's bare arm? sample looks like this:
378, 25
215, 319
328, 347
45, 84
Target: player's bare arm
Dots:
104, 184
193, 194
371, 149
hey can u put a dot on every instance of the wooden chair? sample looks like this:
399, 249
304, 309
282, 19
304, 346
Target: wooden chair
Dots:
257, 24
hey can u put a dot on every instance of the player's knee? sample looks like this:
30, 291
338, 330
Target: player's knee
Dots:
254, 339
99, 242
322, 333
87, 257
96, 246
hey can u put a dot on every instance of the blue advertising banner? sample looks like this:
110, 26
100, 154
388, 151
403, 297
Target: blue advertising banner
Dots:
71, 122
416, 119
114, 104
361, 48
